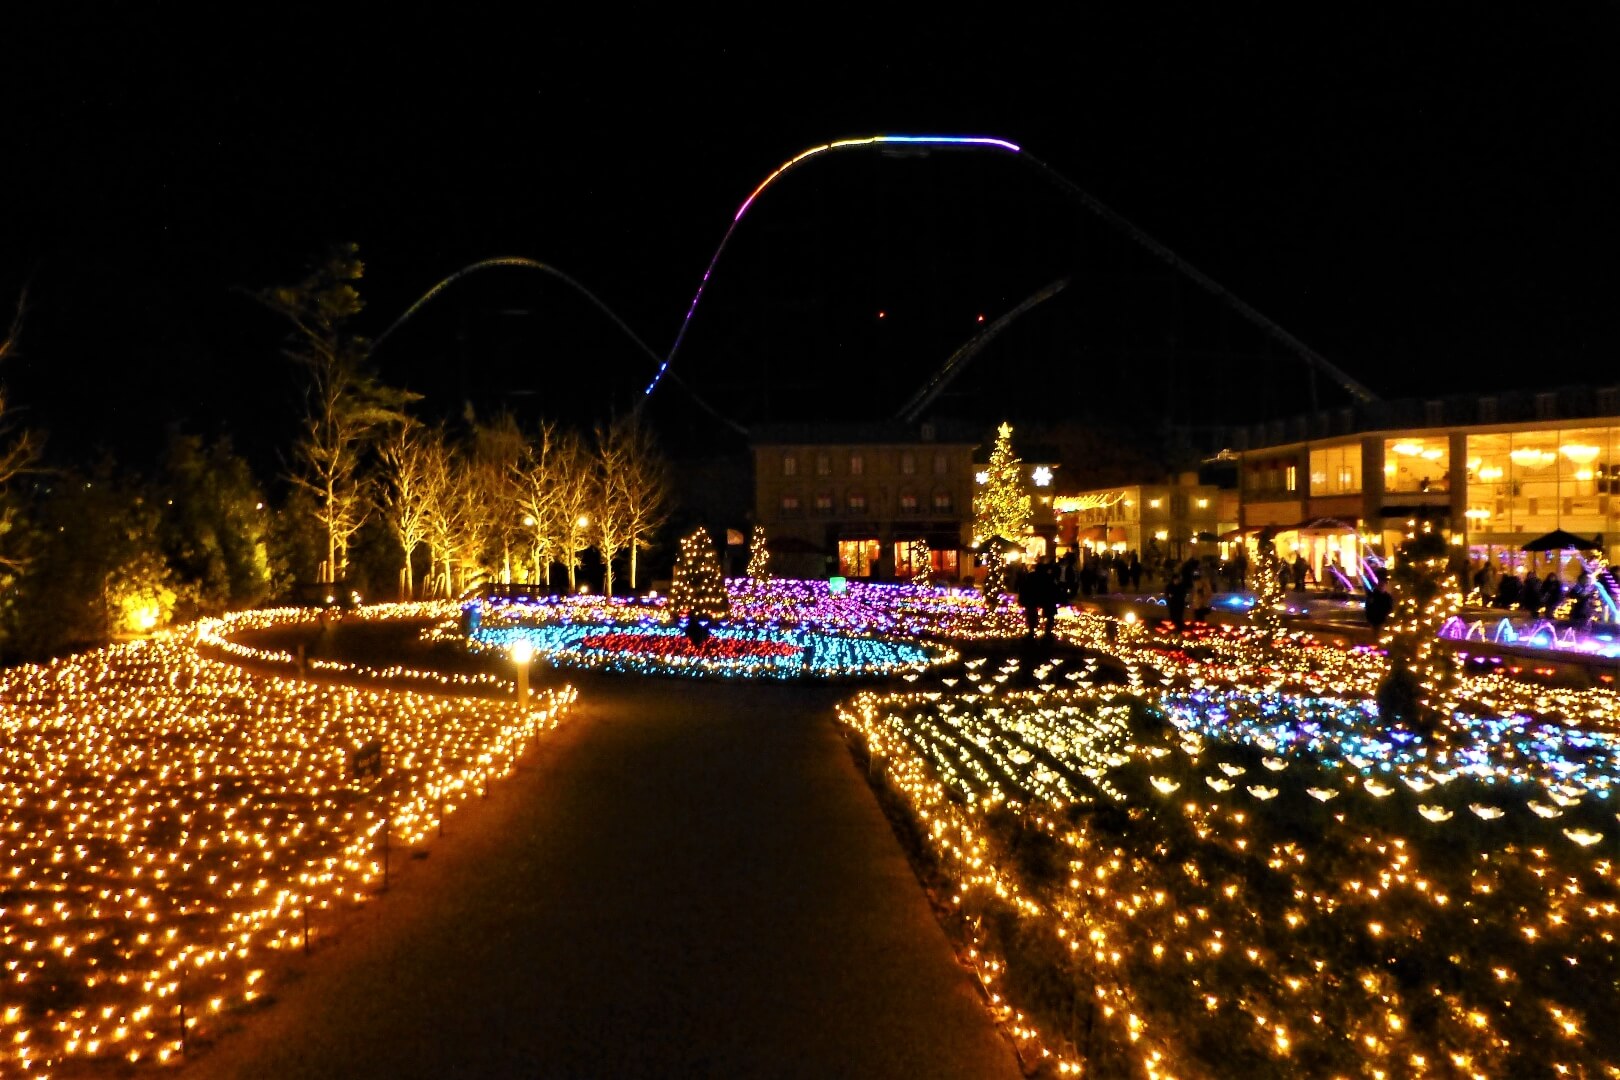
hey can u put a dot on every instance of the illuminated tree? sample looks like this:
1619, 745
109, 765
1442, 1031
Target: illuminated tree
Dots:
699, 587
1416, 692
404, 458
1271, 598
759, 558
498, 451
575, 480
1000, 509
346, 407
535, 476
610, 505
442, 509
922, 563
644, 485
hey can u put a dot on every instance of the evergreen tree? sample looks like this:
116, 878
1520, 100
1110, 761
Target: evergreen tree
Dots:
922, 563
759, 558
699, 587
1000, 511
215, 525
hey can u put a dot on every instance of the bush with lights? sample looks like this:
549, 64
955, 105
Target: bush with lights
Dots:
1206, 882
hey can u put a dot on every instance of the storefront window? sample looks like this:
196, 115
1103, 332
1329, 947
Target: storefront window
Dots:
1336, 470
856, 557
1415, 465
1532, 482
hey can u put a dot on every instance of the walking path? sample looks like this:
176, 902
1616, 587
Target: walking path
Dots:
688, 879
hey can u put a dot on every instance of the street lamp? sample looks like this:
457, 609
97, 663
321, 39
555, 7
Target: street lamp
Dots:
522, 653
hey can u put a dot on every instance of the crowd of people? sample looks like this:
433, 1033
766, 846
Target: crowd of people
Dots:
1523, 591
1188, 584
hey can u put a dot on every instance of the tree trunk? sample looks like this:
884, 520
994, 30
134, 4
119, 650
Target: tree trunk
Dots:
607, 574
632, 564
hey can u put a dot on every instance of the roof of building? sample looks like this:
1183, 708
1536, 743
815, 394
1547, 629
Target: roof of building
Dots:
1457, 410
888, 432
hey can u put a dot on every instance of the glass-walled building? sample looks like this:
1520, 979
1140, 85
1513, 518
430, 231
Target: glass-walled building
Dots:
1492, 473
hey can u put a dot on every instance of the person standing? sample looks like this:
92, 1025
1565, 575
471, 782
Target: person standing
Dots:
1049, 594
1552, 593
1379, 602
1203, 597
1299, 572
1175, 599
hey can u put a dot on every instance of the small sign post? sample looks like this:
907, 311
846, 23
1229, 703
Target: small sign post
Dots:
367, 760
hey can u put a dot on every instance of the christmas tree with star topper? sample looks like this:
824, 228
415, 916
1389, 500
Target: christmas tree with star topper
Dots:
1001, 512
699, 588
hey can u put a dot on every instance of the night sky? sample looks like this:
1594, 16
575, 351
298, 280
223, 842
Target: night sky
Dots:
1429, 202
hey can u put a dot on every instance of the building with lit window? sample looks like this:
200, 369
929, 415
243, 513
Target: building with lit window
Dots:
854, 499
1177, 520
1493, 472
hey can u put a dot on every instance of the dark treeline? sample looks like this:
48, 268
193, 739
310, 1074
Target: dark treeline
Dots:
374, 503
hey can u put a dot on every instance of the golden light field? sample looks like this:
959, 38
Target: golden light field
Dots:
169, 822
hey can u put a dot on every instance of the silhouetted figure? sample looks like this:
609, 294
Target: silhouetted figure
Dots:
1507, 591
1530, 594
1203, 598
697, 631
1300, 570
1175, 599
1379, 602
1552, 593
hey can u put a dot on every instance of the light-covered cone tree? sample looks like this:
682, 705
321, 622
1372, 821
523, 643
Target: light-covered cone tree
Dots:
922, 563
1271, 598
699, 587
1417, 692
759, 559
1000, 509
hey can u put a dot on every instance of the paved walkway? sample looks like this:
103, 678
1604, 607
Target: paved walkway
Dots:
687, 880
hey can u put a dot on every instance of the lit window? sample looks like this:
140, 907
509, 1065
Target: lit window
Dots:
856, 503
942, 501
857, 465
823, 465
908, 503
941, 465
824, 503
790, 504
856, 558
908, 464
790, 465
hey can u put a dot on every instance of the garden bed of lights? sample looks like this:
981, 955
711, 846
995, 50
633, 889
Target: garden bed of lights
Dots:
1192, 881
171, 822
775, 629
731, 651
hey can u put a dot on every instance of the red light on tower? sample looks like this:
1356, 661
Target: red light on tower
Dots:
882, 313
981, 318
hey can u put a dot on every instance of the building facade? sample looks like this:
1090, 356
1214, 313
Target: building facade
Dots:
853, 500
1172, 520
1492, 474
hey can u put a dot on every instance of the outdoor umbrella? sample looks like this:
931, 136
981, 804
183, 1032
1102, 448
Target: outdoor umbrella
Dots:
1559, 540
